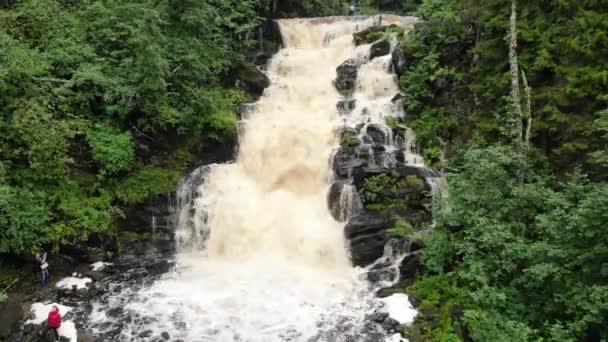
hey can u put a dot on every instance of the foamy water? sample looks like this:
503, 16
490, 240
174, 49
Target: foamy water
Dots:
262, 258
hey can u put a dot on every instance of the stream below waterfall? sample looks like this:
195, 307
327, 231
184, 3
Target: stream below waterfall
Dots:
259, 256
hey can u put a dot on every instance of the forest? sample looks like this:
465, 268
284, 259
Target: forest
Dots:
107, 103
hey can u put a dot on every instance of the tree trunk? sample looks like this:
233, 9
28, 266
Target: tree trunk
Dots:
516, 101
528, 108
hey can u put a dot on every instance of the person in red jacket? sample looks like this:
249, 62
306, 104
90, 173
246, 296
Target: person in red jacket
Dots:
54, 321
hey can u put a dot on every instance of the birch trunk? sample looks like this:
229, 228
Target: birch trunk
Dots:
515, 71
528, 108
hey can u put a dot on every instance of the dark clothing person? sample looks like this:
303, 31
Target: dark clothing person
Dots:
54, 322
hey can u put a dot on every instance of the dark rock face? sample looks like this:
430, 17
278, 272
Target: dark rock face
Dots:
398, 60
245, 110
381, 48
11, 312
347, 77
252, 80
367, 238
372, 34
346, 106
377, 133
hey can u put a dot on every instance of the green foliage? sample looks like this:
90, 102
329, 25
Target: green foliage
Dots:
400, 228
384, 191
112, 150
529, 258
349, 142
83, 83
601, 126
23, 217
457, 83
389, 6
437, 296
146, 183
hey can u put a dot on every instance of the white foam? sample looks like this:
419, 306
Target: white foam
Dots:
41, 311
68, 330
100, 265
399, 308
396, 338
70, 282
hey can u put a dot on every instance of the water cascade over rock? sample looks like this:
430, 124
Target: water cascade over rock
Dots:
262, 256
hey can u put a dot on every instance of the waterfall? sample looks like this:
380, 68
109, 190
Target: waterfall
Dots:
260, 258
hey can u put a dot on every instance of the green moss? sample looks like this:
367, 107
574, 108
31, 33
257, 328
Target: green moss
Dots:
414, 183
349, 142
376, 33
400, 228
386, 191
146, 183
127, 237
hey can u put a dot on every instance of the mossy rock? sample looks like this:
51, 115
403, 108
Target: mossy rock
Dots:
251, 79
375, 33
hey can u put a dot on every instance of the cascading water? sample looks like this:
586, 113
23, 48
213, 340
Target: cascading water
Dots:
261, 258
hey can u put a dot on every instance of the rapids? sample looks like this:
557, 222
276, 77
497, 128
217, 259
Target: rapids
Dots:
260, 258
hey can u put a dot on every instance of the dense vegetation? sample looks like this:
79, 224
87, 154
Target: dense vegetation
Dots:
104, 103
520, 250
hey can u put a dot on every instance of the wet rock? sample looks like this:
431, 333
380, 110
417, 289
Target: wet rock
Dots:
399, 156
391, 325
378, 317
378, 49
366, 139
145, 334
165, 335
398, 60
251, 79
377, 133
344, 162
374, 33
397, 97
409, 268
245, 110
346, 106
367, 238
115, 312
333, 199
376, 276
347, 77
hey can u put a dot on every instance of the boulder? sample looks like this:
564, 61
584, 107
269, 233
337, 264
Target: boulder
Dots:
381, 48
378, 133
398, 60
346, 106
366, 234
251, 79
344, 162
245, 110
347, 77
374, 33
409, 268
391, 325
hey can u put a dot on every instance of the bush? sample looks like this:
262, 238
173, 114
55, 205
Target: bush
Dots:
146, 183
400, 228
112, 150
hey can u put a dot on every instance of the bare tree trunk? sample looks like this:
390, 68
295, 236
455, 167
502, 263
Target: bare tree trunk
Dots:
528, 108
515, 71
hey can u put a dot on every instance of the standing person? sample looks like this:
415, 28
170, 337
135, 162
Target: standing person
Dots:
54, 322
44, 268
